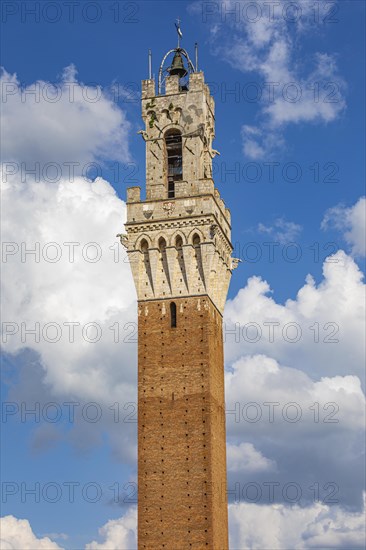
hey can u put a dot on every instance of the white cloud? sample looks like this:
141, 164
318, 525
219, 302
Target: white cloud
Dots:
281, 358
61, 536
84, 125
69, 210
321, 331
281, 231
315, 98
40, 291
61, 122
261, 379
351, 222
64, 292
118, 534
251, 147
316, 526
283, 427
244, 457
16, 534
261, 38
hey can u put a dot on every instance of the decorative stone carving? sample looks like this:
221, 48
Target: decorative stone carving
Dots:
189, 205
123, 239
143, 134
235, 262
169, 207
213, 230
147, 210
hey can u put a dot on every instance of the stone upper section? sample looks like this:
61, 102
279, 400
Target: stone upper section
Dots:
179, 238
189, 112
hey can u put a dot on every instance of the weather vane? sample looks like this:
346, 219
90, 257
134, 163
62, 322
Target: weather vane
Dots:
180, 34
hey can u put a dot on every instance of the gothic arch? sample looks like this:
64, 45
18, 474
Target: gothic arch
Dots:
158, 238
192, 234
144, 245
162, 244
176, 234
196, 239
141, 238
171, 126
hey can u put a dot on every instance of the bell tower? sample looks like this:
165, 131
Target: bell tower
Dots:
179, 248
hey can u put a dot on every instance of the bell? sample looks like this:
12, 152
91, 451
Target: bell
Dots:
177, 67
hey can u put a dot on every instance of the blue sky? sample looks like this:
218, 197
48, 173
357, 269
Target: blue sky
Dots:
320, 214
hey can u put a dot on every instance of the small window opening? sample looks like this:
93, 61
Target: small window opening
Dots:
173, 315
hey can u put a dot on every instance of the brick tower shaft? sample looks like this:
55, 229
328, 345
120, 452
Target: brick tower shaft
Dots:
181, 427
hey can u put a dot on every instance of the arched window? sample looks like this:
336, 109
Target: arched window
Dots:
178, 242
144, 245
196, 239
173, 144
162, 244
173, 315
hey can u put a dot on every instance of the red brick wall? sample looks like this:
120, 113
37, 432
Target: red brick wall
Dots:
182, 501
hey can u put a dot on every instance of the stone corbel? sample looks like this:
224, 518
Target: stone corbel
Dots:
123, 237
213, 230
235, 262
143, 134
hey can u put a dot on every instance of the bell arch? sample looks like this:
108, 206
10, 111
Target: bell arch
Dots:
174, 159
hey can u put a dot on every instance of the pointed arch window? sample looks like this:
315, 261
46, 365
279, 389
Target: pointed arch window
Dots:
162, 244
196, 240
144, 245
173, 315
173, 144
178, 242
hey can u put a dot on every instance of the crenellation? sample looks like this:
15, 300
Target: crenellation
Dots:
133, 194
172, 85
196, 81
148, 88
